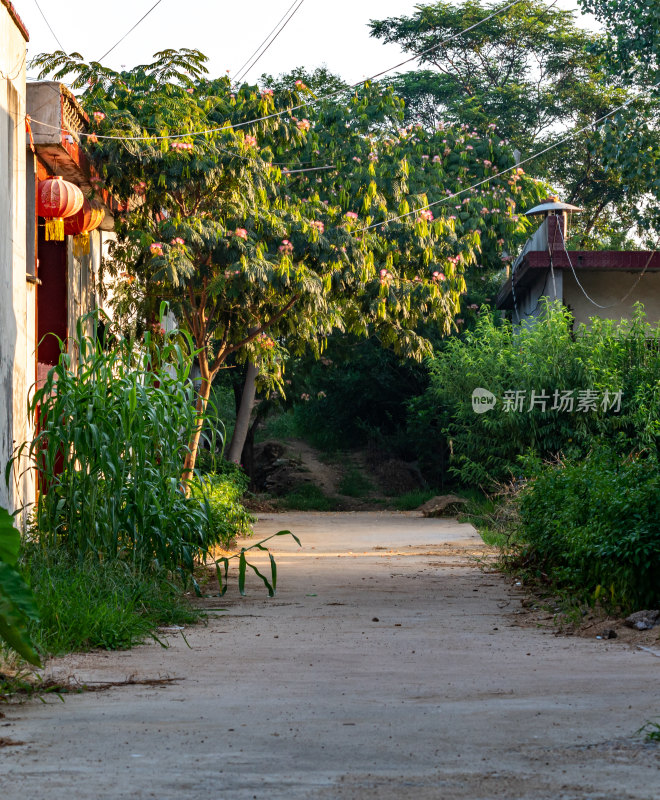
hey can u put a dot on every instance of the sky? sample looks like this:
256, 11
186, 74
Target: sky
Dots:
333, 33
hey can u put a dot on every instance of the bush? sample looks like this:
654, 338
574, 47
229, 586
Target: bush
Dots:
594, 525
545, 356
221, 494
113, 430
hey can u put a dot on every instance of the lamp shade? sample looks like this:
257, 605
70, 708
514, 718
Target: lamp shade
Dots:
57, 199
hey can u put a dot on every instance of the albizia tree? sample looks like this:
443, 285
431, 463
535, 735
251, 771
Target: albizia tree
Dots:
252, 212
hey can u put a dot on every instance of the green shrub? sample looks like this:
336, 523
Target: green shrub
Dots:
594, 525
545, 356
221, 494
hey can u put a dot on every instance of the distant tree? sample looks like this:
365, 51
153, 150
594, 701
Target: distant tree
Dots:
537, 75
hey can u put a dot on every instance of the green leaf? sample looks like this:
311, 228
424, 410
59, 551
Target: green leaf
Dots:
10, 538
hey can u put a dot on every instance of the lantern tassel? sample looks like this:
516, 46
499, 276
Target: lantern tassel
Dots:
55, 230
81, 245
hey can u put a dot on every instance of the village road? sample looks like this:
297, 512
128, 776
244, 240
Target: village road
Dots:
389, 665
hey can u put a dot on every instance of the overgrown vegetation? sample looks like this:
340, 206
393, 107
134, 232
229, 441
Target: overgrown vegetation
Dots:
110, 604
594, 524
544, 358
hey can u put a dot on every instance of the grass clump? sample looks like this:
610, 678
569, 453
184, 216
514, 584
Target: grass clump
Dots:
354, 483
88, 604
308, 497
412, 500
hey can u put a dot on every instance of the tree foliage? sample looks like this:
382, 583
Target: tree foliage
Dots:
254, 220
539, 76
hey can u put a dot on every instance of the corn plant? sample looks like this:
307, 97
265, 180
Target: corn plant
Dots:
243, 564
112, 429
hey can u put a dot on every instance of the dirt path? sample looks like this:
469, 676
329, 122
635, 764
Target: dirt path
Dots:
388, 666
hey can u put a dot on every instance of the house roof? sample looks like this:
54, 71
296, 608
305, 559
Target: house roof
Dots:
19, 22
536, 261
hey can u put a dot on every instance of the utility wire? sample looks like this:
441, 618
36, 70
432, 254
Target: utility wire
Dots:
259, 46
584, 291
258, 58
157, 3
545, 150
36, 2
312, 101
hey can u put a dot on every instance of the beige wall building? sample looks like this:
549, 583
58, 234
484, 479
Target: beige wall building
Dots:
45, 286
17, 291
590, 283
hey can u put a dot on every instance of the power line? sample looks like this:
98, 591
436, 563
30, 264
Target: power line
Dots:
258, 58
259, 46
312, 101
48, 24
157, 3
584, 291
545, 150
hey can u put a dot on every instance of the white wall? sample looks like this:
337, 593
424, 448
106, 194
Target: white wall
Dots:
16, 295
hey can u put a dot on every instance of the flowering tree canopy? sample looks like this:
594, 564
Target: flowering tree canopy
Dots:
260, 226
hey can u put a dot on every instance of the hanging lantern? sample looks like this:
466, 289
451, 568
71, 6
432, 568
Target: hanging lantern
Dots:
81, 224
57, 199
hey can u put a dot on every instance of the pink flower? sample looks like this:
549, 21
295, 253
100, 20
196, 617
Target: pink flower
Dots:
266, 92
487, 163
320, 227
351, 215
460, 321
99, 115
156, 249
92, 138
426, 214
190, 90
473, 306
251, 141
436, 159
304, 396
321, 395
439, 276
286, 247
300, 85
241, 233
178, 240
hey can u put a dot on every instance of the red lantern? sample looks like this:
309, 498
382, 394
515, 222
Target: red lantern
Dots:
81, 224
56, 199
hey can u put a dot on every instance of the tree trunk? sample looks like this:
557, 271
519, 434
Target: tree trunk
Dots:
243, 415
200, 410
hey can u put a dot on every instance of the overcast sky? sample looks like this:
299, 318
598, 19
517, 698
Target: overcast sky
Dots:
331, 32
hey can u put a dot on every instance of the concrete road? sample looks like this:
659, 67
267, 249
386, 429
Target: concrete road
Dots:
389, 665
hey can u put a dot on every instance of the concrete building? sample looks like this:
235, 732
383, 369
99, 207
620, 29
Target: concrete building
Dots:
590, 283
17, 291
44, 285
